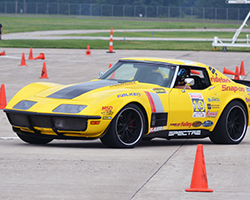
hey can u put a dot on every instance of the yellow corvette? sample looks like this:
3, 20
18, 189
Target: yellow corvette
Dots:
136, 98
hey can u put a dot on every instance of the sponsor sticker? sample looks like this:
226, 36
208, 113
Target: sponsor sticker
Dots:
182, 124
211, 114
215, 79
107, 110
156, 129
247, 100
213, 106
213, 99
184, 133
233, 88
212, 70
160, 90
197, 124
207, 123
107, 118
123, 84
199, 108
134, 94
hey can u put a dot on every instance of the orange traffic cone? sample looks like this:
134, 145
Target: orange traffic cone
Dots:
2, 53
23, 63
41, 56
227, 71
110, 65
199, 178
31, 54
111, 42
194, 72
237, 75
88, 52
44, 71
242, 69
3, 101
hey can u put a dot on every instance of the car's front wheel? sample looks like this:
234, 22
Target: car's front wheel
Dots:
232, 125
33, 139
126, 129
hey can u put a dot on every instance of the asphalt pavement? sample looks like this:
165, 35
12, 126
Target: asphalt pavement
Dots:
158, 169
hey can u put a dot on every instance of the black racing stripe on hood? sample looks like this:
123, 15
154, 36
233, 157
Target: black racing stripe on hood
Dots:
79, 89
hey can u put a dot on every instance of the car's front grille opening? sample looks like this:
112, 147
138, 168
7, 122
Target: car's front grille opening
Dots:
69, 123
60, 123
18, 119
41, 121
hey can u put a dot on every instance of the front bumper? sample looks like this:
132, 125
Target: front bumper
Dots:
47, 123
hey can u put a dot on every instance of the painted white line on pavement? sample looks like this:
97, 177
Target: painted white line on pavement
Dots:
8, 138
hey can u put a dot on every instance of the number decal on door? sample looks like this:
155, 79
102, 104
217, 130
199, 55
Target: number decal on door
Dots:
199, 108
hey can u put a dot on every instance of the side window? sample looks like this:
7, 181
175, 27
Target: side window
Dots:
200, 77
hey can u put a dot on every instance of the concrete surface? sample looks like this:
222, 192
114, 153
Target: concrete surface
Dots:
159, 169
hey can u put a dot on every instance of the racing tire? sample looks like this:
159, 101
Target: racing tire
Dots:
34, 140
126, 129
232, 125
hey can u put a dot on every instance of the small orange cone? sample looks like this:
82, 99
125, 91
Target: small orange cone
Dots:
194, 72
111, 42
199, 178
23, 63
44, 71
2, 53
110, 65
242, 69
237, 75
31, 54
227, 71
3, 101
41, 56
88, 52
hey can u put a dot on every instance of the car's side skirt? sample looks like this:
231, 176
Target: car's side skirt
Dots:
170, 134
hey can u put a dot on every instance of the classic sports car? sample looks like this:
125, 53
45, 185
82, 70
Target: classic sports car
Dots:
137, 98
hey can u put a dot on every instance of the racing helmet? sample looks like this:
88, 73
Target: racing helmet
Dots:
182, 75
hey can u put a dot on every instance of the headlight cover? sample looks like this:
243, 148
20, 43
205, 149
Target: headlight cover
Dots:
69, 108
24, 105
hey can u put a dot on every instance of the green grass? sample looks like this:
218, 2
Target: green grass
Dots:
102, 44
25, 23
166, 34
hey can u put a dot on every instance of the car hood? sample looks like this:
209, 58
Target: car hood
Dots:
92, 89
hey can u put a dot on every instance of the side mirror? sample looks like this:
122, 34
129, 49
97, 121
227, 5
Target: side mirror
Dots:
189, 82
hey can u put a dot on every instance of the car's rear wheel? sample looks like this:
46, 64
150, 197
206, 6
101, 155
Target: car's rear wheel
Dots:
232, 125
33, 139
126, 129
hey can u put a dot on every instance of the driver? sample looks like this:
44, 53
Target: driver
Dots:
181, 76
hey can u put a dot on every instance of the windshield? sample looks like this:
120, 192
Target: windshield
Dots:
154, 73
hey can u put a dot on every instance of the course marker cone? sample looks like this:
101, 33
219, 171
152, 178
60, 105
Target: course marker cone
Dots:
227, 71
2, 53
31, 54
44, 71
111, 42
3, 101
242, 69
23, 63
41, 56
237, 75
88, 52
199, 178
